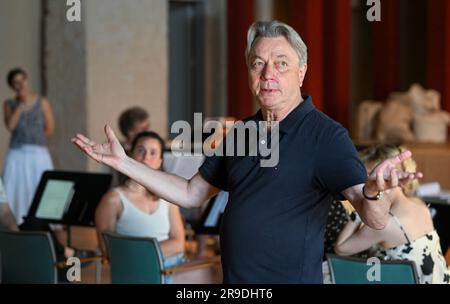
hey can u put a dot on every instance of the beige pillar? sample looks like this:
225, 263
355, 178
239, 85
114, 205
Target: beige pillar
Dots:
116, 57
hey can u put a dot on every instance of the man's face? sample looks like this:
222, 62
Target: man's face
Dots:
275, 75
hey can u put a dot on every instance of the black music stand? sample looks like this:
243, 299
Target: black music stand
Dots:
68, 198
211, 218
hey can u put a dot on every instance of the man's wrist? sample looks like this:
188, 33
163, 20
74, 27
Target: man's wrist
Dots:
371, 195
124, 164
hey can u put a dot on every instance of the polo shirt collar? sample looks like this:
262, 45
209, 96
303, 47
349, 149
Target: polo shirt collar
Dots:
296, 115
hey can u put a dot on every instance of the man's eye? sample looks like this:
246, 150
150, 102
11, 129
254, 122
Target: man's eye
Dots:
282, 64
258, 64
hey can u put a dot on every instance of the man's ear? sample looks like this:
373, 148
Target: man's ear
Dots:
301, 74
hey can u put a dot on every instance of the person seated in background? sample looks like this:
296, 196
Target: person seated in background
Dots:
130, 209
409, 234
340, 213
132, 121
7, 220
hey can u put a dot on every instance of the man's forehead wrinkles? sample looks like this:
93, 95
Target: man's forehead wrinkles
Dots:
272, 54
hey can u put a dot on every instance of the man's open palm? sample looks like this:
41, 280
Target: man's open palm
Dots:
109, 153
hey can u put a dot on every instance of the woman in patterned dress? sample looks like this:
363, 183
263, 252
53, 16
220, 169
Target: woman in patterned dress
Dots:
409, 235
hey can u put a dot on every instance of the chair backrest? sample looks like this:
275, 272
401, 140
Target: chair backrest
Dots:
350, 270
27, 257
134, 260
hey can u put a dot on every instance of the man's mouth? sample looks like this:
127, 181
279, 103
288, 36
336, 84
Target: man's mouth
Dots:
268, 91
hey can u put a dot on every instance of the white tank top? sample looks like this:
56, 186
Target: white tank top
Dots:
134, 222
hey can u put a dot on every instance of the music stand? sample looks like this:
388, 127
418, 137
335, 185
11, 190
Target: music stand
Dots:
68, 198
211, 218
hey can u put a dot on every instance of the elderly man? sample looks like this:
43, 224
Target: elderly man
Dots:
273, 225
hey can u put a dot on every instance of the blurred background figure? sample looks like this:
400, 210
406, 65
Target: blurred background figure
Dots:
132, 121
29, 118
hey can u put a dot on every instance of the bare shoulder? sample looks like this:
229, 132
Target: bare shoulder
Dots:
110, 199
423, 207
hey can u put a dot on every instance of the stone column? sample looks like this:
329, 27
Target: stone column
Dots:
116, 57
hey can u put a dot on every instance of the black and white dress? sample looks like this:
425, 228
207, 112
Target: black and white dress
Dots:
426, 253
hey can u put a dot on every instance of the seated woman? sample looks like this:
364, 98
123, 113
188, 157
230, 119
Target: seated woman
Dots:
131, 209
409, 235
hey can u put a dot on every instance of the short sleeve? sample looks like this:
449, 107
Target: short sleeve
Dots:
3, 197
338, 166
214, 171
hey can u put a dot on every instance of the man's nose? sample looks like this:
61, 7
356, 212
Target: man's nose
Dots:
268, 72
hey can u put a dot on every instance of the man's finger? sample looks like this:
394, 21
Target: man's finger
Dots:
95, 156
79, 143
83, 138
401, 157
110, 133
380, 180
380, 167
85, 148
409, 175
394, 178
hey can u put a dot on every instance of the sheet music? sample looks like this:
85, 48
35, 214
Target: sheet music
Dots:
56, 199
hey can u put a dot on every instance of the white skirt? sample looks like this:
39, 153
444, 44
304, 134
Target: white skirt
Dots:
22, 172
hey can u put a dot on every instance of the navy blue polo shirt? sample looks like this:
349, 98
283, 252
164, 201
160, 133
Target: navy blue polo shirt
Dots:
272, 230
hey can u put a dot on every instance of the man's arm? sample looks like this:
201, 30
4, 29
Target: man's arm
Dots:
375, 214
184, 193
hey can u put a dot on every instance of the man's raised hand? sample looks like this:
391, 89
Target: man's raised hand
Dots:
110, 153
385, 176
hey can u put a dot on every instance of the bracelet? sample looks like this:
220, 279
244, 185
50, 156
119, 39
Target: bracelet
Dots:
378, 196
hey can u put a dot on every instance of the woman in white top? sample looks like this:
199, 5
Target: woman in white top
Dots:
409, 235
131, 209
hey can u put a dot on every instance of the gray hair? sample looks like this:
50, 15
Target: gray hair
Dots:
273, 29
